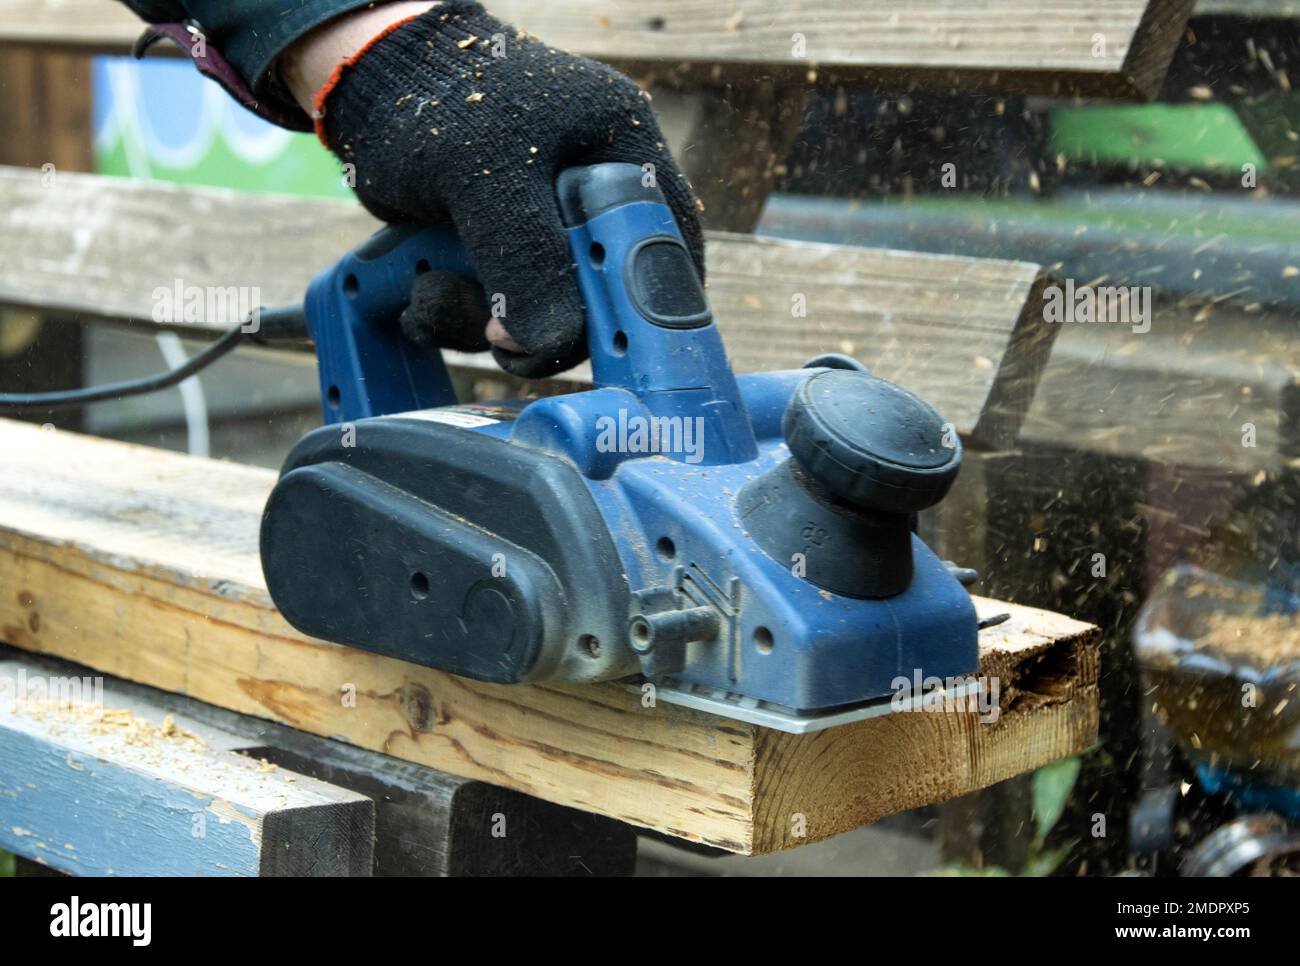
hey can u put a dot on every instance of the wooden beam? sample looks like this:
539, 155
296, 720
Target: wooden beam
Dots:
91, 784
943, 328
429, 823
143, 564
1040, 46
1220, 352
965, 334
425, 822
1027, 46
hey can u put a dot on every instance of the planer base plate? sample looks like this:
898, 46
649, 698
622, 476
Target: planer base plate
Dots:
780, 718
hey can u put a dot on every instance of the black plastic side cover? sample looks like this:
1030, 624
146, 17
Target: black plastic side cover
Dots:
445, 547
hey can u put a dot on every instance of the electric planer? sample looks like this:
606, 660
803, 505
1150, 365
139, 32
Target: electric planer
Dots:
745, 544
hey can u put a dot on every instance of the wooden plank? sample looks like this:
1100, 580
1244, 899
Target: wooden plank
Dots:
143, 564
1220, 352
425, 823
1160, 31
91, 784
964, 333
1030, 46
942, 328
907, 43
429, 823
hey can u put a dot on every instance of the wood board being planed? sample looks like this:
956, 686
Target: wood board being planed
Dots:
143, 564
1053, 48
964, 333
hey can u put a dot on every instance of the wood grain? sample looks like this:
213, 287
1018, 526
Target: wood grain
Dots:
143, 564
1031, 46
964, 333
425, 822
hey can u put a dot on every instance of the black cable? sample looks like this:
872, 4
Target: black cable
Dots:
270, 326
71, 398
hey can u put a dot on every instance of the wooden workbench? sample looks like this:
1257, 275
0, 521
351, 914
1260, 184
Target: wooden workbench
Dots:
905, 44
143, 564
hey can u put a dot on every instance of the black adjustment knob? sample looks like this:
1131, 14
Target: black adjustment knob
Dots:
871, 443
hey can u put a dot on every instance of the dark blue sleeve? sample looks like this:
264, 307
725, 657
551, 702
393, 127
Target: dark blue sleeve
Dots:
249, 35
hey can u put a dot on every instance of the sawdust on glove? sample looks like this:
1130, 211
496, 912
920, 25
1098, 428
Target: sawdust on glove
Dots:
454, 116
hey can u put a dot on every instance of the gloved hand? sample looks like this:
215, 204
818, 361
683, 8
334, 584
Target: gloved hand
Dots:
443, 127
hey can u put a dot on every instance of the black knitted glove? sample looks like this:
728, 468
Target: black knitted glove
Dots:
455, 116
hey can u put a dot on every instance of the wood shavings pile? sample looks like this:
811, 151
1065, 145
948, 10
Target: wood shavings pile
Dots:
120, 722
1262, 641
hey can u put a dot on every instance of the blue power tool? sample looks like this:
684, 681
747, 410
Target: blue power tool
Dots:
746, 544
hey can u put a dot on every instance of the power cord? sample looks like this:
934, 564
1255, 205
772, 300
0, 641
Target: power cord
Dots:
275, 325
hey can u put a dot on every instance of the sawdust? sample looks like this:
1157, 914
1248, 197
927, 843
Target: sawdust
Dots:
119, 722
1259, 640
1262, 641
